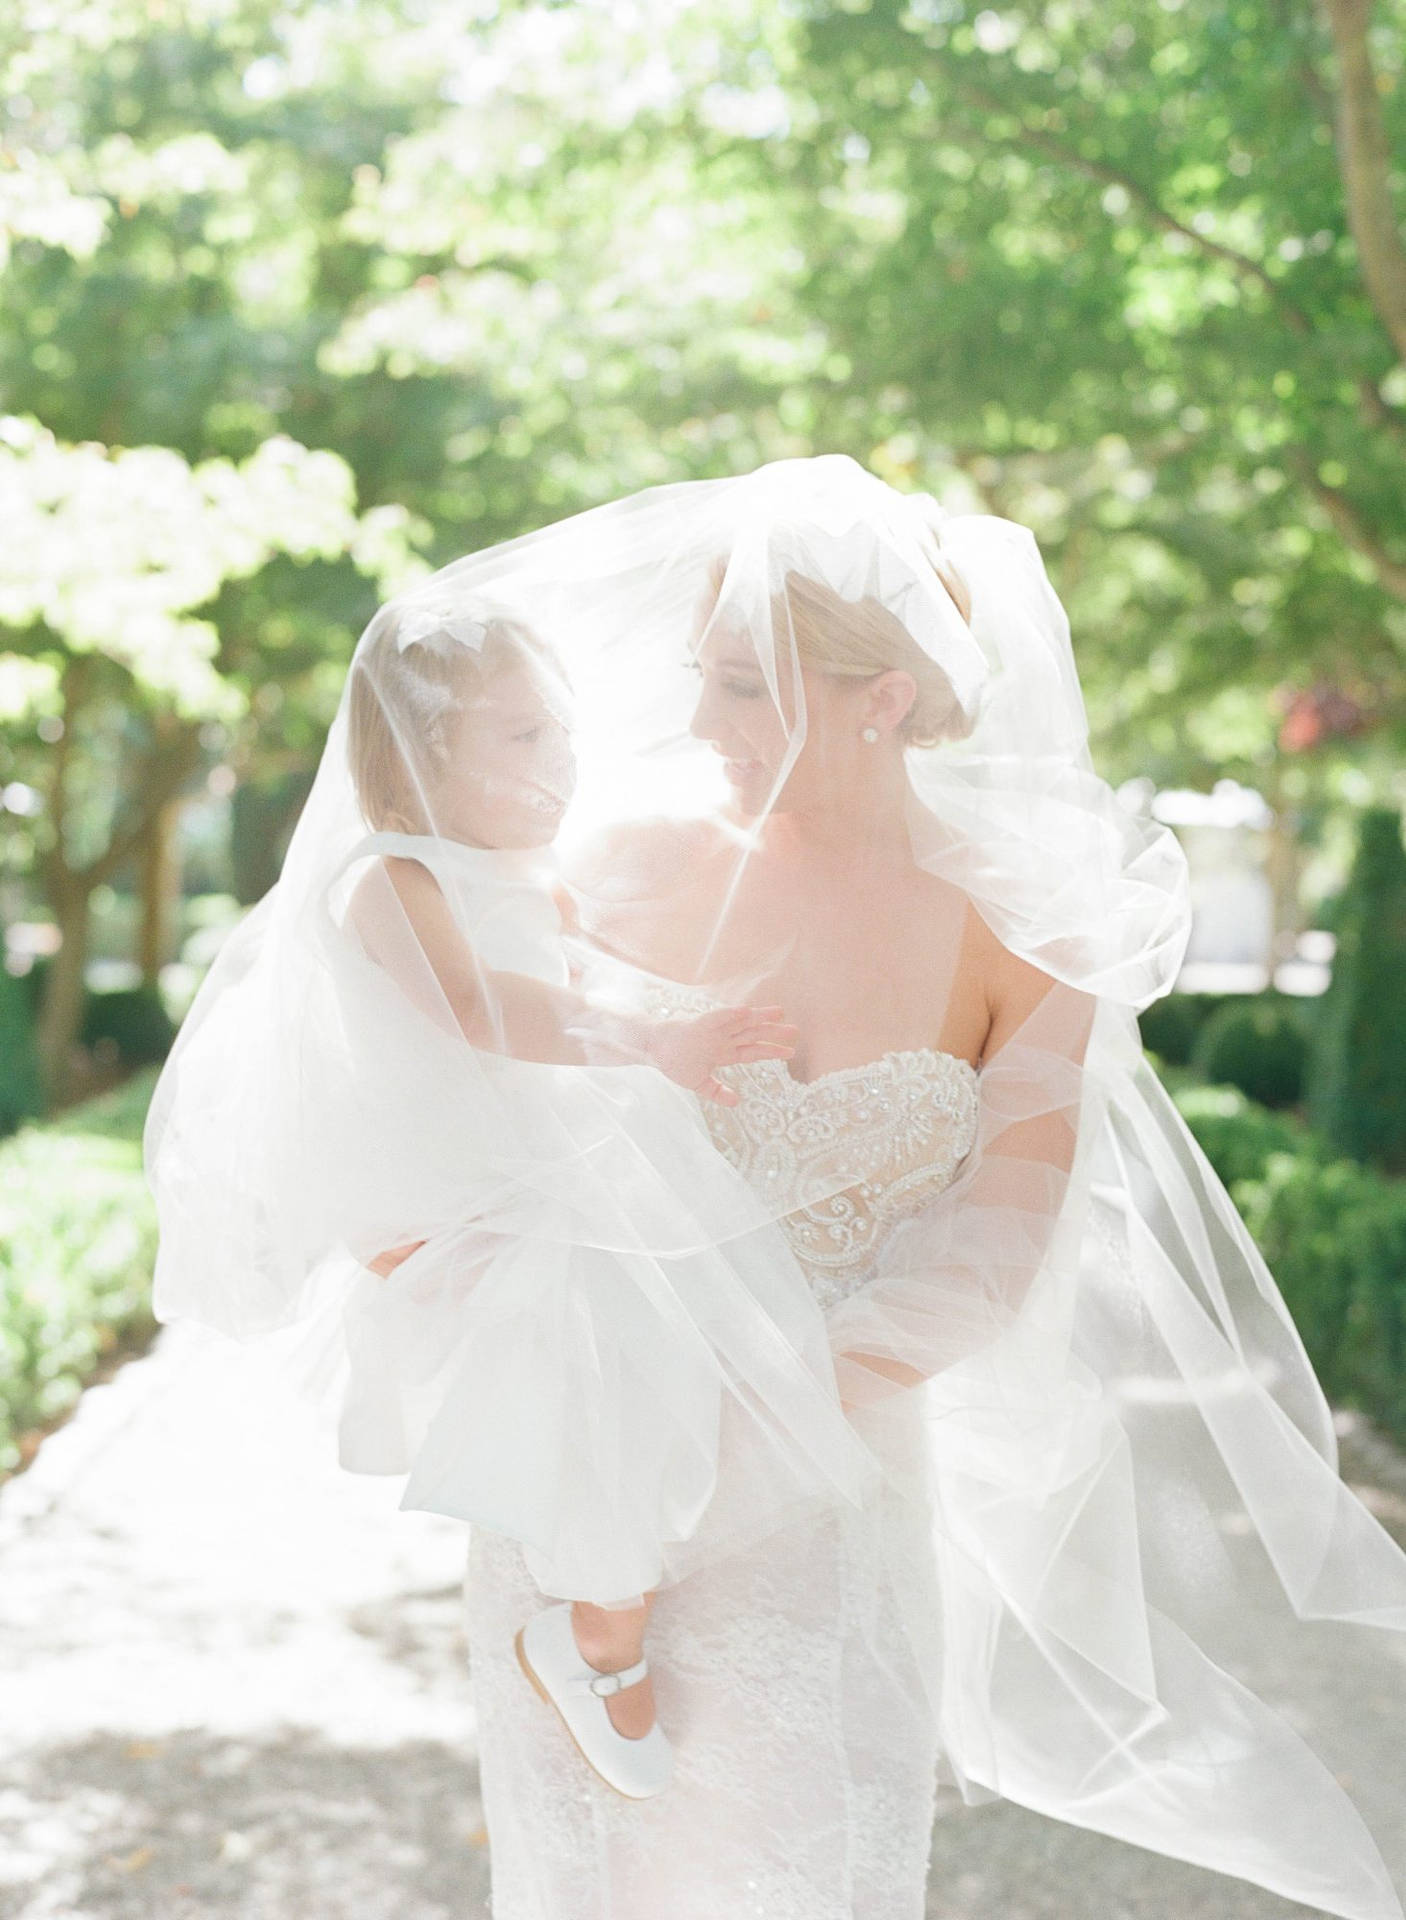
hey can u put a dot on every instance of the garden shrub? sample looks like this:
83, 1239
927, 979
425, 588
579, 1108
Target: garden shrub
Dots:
1312, 1221
1258, 1043
1355, 1082
1237, 1134
21, 1090
132, 1021
1375, 1377
1168, 1027
77, 1247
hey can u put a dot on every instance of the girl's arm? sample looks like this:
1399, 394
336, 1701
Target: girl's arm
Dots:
535, 1020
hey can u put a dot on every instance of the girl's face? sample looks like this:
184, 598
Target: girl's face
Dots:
511, 771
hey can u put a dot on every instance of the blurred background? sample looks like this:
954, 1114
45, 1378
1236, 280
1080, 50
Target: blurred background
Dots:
299, 302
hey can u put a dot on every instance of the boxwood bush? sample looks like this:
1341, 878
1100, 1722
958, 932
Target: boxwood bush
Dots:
1238, 1135
132, 1021
21, 1092
1332, 1233
1311, 1219
1258, 1043
1169, 1026
1355, 1091
77, 1247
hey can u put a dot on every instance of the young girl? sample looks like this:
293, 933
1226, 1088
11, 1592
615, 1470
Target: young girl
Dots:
460, 750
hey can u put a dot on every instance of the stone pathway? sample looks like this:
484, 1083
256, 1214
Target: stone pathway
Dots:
232, 1677
233, 1686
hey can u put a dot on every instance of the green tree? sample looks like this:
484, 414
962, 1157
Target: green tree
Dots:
429, 254
1355, 1091
107, 559
1133, 273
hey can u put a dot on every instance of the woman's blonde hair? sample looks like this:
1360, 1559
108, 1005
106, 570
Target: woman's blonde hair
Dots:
860, 639
401, 702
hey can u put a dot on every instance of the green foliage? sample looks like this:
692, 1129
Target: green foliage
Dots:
1310, 1220
1169, 1026
77, 1245
1237, 1134
21, 1095
1356, 1079
1259, 1044
1332, 1233
1376, 1334
132, 1021
1101, 261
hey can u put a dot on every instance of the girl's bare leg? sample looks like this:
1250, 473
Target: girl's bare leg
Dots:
611, 1638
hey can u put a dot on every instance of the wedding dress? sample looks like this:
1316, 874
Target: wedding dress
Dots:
804, 1787
949, 1411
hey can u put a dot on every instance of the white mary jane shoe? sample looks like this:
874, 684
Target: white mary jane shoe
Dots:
548, 1654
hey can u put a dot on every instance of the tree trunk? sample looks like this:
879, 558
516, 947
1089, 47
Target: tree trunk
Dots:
160, 889
61, 1016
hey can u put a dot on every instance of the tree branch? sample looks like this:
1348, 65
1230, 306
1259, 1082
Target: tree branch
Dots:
1364, 159
1372, 407
75, 680
1348, 522
1240, 263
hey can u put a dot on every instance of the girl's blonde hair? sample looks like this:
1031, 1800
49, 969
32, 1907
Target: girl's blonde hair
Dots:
401, 702
859, 639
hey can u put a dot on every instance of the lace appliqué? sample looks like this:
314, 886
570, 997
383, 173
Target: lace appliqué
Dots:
868, 1145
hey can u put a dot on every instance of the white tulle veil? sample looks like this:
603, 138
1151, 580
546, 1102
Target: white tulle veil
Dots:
444, 1027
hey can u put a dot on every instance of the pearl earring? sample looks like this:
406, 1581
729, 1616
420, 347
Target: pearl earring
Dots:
870, 734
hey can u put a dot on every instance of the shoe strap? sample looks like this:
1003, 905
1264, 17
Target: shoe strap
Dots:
603, 1683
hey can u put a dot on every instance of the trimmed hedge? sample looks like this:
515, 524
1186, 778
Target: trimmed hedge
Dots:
1258, 1043
1169, 1026
1355, 1090
1236, 1134
1309, 1218
132, 1021
1332, 1233
77, 1248
21, 1091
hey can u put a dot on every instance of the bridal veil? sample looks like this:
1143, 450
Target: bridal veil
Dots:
428, 1032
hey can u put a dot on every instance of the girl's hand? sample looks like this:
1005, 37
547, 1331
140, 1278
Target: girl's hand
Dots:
386, 1263
901, 1375
689, 1049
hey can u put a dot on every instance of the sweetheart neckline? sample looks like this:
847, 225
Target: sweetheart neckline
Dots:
835, 1073
866, 1066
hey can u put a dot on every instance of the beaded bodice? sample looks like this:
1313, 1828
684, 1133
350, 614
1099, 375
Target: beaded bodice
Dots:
867, 1145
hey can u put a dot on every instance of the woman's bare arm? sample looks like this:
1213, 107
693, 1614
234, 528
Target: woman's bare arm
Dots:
1045, 1139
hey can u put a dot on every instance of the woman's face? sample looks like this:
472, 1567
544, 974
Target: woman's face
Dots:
739, 718
511, 769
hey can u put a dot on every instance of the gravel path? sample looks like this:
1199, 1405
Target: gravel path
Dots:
233, 1686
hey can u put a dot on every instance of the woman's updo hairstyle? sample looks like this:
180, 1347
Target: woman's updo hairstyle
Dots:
862, 638
402, 699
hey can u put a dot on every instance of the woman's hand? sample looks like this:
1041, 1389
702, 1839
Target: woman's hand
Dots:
386, 1263
690, 1049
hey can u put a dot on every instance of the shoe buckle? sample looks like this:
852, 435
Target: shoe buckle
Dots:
606, 1683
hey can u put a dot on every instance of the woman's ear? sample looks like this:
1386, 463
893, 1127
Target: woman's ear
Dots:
891, 696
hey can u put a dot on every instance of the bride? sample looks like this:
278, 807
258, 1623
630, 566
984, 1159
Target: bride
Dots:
832, 760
